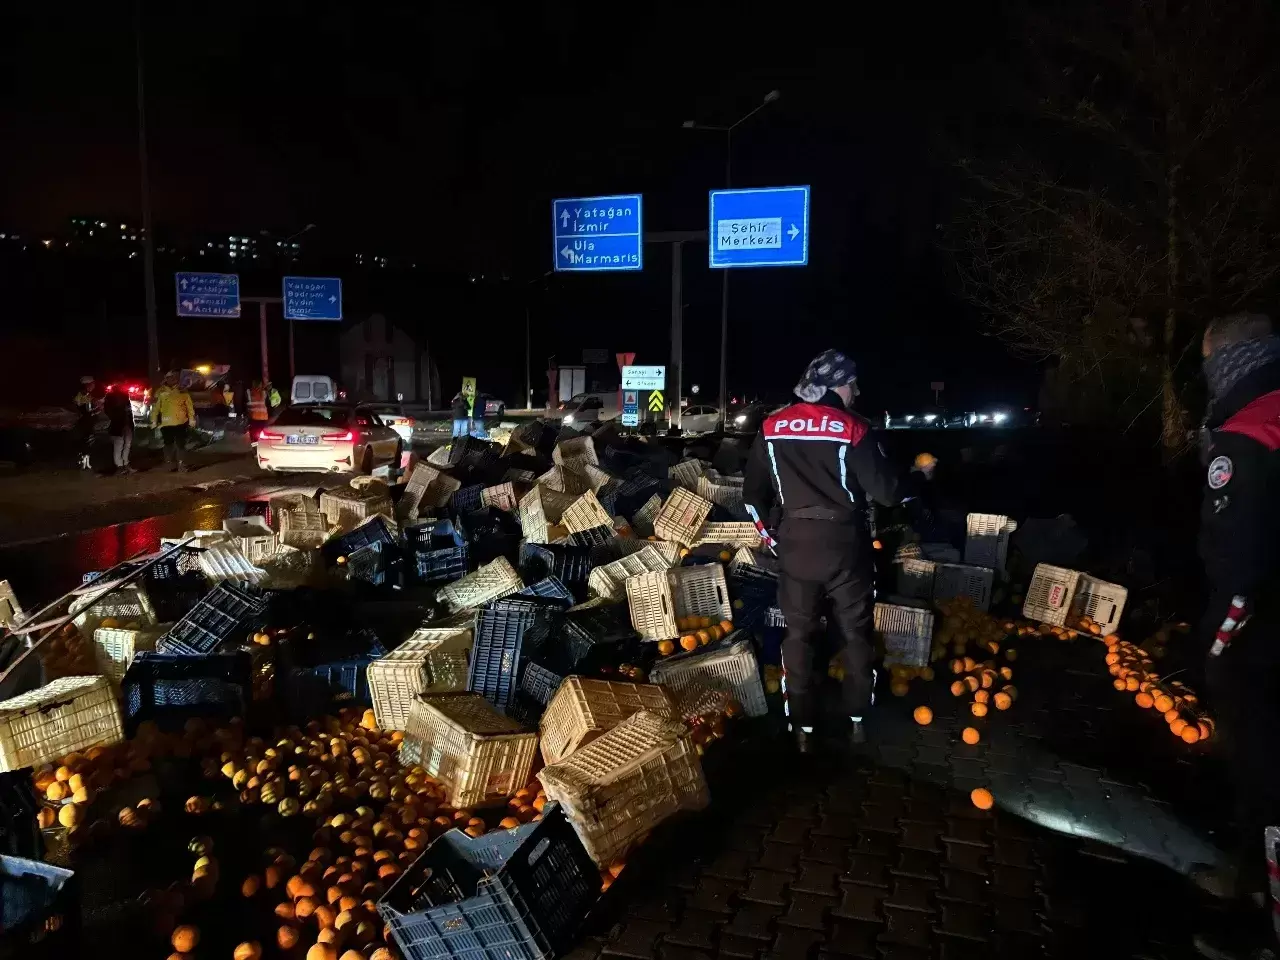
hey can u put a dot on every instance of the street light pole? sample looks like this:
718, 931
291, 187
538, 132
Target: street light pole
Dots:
148, 239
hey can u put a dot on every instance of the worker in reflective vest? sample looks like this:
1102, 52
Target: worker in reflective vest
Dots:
258, 403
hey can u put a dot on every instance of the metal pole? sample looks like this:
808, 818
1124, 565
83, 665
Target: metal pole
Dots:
528, 368
148, 240
724, 296
677, 326
262, 337
293, 367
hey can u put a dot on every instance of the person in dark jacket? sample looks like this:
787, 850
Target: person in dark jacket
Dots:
119, 413
461, 415
821, 466
1240, 548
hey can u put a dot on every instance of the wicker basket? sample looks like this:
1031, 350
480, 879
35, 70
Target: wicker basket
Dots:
256, 540
729, 666
681, 517
65, 716
585, 513
115, 647
659, 600
610, 580
907, 633
1061, 597
433, 660
686, 473
963, 580
427, 487
642, 519
575, 449
582, 709
502, 496
493, 580
735, 534
346, 507
986, 542
479, 755
624, 783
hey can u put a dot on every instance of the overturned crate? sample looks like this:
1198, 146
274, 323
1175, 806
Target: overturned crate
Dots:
617, 788
169, 690
1064, 598
227, 611
681, 517
433, 660
724, 492
585, 513
986, 542
65, 716
577, 451
299, 522
115, 647
582, 709
952, 580
480, 756
256, 540
729, 666
490, 582
734, 534
610, 580
660, 600
906, 632
497, 652
429, 488
541, 510
349, 506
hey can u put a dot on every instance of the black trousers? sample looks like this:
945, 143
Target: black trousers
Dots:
825, 568
1244, 683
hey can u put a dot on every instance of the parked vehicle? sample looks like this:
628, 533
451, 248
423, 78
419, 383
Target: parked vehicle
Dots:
327, 438
700, 419
393, 415
312, 388
588, 409
487, 405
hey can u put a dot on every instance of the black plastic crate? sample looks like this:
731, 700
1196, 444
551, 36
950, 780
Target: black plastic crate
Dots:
608, 623
549, 588
319, 690
467, 499
441, 555
223, 614
471, 450
568, 563
171, 689
373, 530
39, 909
608, 496
539, 683
433, 534
500, 627
173, 599
751, 593
368, 564
515, 894
592, 536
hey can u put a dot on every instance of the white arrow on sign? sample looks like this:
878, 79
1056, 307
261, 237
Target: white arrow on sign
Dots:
332, 299
564, 218
793, 232
183, 283
187, 304
565, 251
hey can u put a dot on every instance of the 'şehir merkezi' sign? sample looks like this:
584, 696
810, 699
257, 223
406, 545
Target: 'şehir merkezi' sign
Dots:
207, 294
598, 233
760, 227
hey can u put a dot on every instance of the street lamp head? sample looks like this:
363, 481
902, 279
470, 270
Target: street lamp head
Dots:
772, 95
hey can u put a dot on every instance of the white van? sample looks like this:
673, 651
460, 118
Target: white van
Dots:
312, 388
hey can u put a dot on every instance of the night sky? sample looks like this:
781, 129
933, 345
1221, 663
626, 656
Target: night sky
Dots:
441, 133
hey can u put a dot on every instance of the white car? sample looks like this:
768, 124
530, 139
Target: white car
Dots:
393, 415
327, 438
700, 419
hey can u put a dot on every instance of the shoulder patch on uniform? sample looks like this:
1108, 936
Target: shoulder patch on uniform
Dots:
1220, 472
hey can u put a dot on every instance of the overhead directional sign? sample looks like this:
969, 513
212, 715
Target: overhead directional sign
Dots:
655, 402
312, 298
598, 233
764, 227
207, 294
644, 378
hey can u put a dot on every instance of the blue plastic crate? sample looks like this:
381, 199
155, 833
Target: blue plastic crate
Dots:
467, 499
171, 689
368, 564
592, 536
373, 530
500, 627
515, 894
751, 592
39, 909
549, 588
432, 534
569, 564
19, 831
319, 690
223, 614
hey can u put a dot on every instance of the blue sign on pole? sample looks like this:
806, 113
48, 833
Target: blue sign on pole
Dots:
598, 233
312, 298
763, 227
207, 294
630, 408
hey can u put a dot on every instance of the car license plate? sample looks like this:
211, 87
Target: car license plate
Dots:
302, 438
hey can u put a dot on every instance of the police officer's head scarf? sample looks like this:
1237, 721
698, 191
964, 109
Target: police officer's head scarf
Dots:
826, 371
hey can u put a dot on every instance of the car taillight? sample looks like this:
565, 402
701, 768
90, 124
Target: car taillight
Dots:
337, 436
270, 435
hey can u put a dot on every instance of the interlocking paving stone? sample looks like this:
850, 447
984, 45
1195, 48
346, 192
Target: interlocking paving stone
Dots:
916, 863
967, 769
935, 773
669, 951
767, 886
819, 878
1013, 881
745, 838
850, 938
729, 865
967, 830
962, 950
966, 856
837, 826
898, 951
794, 943
685, 876
967, 920
754, 921
876, 844
963, 885
920, 836
636, 938
783, 857
879, 818
910, 928
1015, 853
867, 869
696, 929
859, 902
735, 946
714, 895
1016, 915
807, 911
911, 893
823, 850
652, 907
790, 831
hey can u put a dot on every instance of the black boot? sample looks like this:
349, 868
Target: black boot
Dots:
806, 743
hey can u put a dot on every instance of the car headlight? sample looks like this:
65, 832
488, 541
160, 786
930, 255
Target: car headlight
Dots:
740, 419
568, 418
1000, 417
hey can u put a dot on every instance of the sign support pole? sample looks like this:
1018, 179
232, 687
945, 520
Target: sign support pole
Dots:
262, 337
677, 326
293, 371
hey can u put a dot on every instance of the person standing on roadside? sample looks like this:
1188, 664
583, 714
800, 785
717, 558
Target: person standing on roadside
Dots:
174, 414
818, 461
119, 413
1240, 547
258, 412
88, 404
461, 415
273, 397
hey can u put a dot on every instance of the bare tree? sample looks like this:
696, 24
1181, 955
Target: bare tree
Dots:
1149, 205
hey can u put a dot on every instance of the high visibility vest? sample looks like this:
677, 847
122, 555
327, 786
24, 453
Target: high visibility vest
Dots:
257, 405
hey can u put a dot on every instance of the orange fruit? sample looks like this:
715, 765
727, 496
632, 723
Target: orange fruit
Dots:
957, 666
666, 648
970, 735
1164, 703
1177, 726
978, 709
689, 642
704, 637
1118, 684
1144, 700
971, 682
249, 950
982, 696
899, 688
981, 798
923, 716
1190, 733
185, 938
1002, 701
726, 626
957, 688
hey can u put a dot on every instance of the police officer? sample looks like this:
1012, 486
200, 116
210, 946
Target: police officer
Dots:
1240, 547
88, 404
817, 461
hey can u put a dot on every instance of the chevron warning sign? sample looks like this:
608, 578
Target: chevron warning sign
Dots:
655, 401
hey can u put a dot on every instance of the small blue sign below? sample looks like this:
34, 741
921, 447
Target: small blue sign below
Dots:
312, 298
598, 233
760, 227
207, 294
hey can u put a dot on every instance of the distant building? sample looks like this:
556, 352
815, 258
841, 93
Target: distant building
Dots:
382, 362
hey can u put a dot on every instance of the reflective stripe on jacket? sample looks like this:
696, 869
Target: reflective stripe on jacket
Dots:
172, 408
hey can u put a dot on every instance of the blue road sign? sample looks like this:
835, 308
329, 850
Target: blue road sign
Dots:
312, 298
763, 227
207, 294
598, 233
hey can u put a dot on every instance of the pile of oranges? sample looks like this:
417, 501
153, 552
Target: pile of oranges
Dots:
696, 632
1131, 665
985, 682
964, 625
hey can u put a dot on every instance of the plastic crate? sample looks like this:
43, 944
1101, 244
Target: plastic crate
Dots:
538, 684
347, 507
467, 499
582, 709
224, 561
368, 564
593, 536
610, 580
549, 588
428, 487
585, 513
126, 605
577, 448
433, 660
255, 538
620, 786
604, 622
516, 894
493, 580
1062, 597
301, 525
986, 541
687, 473
658, 601
19, 807
170, 690
324, 689
681, 517
752, 592
172, 599
737, 534
501, 496
907, 633
642, 517
499, 639
915, 577
462, 448
562, 478
67, 715
41, 909
374, 530
480, 756
729, 665
567, 563
436, 567
540, 509
963, 580
724, 492
224, 613
115, 648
